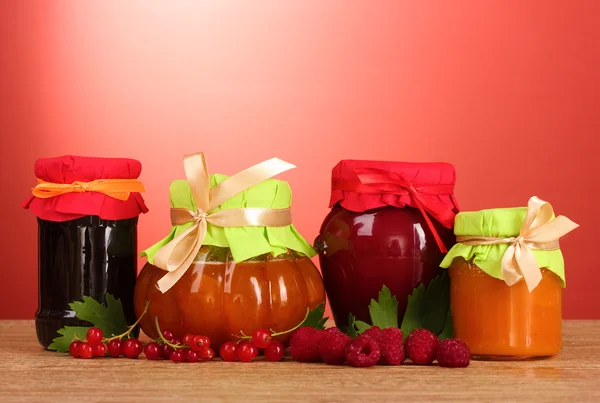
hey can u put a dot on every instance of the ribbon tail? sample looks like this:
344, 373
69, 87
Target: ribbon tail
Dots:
510, 273
437, 237
179, 254
528, 266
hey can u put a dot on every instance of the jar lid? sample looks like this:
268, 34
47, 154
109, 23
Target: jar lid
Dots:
364, 185
69, 206
497, 223
244, 242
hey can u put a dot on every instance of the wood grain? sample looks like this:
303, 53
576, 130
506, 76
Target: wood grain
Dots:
27, 373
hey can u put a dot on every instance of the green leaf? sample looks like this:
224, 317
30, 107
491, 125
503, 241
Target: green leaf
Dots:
110, 318
428, 307
315, 318
384, 311
351, 329
361, 326
68, 335
448, 331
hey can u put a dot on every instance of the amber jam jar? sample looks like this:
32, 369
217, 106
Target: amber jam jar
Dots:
389, 224
87, 240
242, 279
497, 312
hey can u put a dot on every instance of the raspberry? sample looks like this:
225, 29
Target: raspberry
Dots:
363, 351
421, 346
304, 344
373, 332
453, 353
332, 346
391, 343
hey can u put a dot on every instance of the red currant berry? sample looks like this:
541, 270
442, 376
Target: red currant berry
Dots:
206, 354
177, 356
114, 348
274, 351
247, 352
200, 342
152, 351
191, 356
166, 351
261, 338
168, 335
86, 350
228, 351
132, 348
187, 339
100, 350
74, 348
94, 335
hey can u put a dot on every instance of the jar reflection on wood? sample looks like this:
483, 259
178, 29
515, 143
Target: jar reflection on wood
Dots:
390, 224
87, 239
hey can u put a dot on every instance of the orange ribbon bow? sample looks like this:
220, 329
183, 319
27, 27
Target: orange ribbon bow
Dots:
119, 189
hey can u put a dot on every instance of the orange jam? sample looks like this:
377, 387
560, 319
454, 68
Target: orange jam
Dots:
501, 322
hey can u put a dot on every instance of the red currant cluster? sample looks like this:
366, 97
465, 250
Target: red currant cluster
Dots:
247, 350
192, 348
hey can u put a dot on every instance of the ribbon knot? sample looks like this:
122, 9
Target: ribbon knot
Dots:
539, 231
179, 254
119, 189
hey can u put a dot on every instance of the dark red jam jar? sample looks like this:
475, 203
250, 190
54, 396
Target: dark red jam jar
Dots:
87, 211
390, 224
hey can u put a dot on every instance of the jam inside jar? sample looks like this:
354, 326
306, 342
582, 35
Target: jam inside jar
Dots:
389, 224
219, 298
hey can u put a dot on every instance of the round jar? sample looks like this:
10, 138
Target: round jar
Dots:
389, 224
241, 280
87, 239
502, 307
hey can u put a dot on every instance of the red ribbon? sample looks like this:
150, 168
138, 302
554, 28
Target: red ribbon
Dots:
374, 181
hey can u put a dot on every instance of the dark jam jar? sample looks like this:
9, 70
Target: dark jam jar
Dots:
87, 211
390, 224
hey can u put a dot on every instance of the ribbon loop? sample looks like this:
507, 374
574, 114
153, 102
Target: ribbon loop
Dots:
179, 254
538, 232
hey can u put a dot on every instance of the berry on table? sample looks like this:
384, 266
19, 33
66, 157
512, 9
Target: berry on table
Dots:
168, 335
363, 351
187, 339
453, 353
94, 335
114, 348
332, 346
206, 354
166, 351
247, 352
274, 351
85, 350
199, 343
421, 346
228, 351
191, 356
152, 351
391, 344
132, 348
304, 344
177, 356
261, 338
100, 350
74, 348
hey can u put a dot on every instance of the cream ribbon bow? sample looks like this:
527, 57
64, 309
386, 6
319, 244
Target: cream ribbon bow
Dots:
178, 255
539, 231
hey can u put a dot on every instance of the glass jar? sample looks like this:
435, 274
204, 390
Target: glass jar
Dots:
243, 278
219, 298
505, 311
87, 240
389, 225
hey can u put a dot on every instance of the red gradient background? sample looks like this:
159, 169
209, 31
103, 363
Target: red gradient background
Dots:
508, 91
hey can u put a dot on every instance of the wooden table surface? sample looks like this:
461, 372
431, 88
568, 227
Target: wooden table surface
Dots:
28, 373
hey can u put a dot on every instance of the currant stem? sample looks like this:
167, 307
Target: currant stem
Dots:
129, 328
162, 338
273, 333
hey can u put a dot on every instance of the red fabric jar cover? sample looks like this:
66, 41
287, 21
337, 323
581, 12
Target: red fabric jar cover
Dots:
68, 169
359, 186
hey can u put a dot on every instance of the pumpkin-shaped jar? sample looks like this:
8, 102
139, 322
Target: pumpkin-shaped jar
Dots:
242, 278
